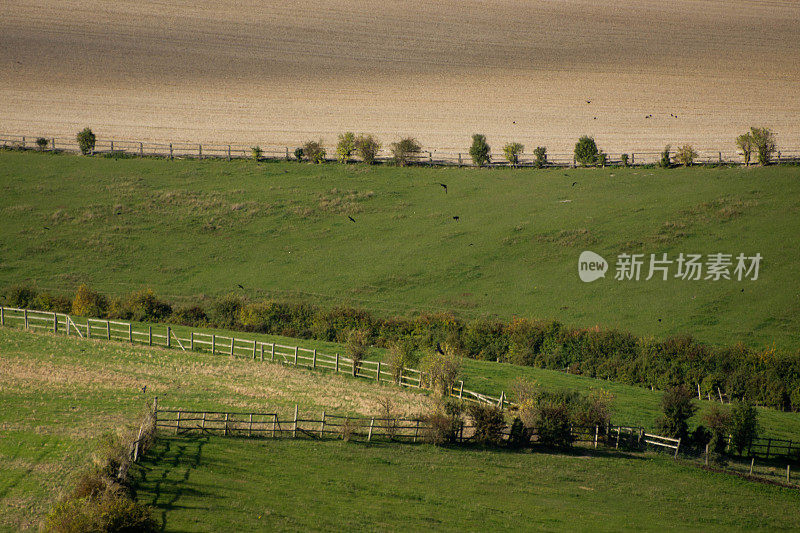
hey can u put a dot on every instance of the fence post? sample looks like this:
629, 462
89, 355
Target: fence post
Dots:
274, 422
23, 141
596, 435
130, 332
337, 362
250, 427
633, 158
378, 373
55, 323
191, 340
88, 328
108, 330
371, 425
294, 427
213, 343
314, 361
170, 150
295, 356
461, 390
229, 152
502, 399
459, 159
707, 456
112, 146
752, 462
200, 151
141, 149
322, 426
678, 447
272, 352
262, 351
233, 342
720, 157
416, 431
2, 316
54, 143
225, 430
149, 335
254, 349
25, 314
178, 423
787, 473
287, 153
169, 334
619, 430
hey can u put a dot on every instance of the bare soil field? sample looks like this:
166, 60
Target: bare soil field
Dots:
279, 73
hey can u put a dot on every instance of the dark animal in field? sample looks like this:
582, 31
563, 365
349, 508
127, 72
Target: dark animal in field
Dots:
240, 286
351, 218
456, 218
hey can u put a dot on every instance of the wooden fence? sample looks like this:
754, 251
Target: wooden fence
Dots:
191, 340
429, 157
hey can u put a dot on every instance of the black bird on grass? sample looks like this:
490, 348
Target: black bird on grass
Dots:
351, 218
240, 286
456, 218
443, 187
45, 227
574, 183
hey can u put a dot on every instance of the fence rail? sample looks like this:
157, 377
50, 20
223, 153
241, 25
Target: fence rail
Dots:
197, 341
186, 150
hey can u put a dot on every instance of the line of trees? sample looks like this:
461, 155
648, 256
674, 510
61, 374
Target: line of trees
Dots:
763, 377
759, 141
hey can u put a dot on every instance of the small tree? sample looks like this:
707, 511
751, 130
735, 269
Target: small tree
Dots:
298, 153
405, 150
685, 155
625, 159
86, 141
678, 407
602, 158
42, 143
488, 421
512, 152
744, 426
553, 423
586, 151
89, 303
665, 161
442, 370
479, 151
764, 144
718, 420
256, 151
745, 143
357, 348
367, 148
314, 152
401, 356
540, 157
345, 147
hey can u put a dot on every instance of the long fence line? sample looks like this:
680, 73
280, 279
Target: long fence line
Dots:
196, 341
186, 150
378, 371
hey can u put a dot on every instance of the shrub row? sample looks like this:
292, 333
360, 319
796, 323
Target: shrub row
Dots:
768, 378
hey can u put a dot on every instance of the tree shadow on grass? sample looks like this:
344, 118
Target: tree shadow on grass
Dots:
164, 472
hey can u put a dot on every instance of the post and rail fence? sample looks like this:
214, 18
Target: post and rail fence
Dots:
434, 157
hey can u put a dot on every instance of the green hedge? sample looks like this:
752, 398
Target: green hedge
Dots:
767, 378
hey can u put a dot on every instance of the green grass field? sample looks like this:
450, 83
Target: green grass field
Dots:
61, 395
218, 484
198, 228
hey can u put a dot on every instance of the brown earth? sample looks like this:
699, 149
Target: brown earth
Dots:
278, 73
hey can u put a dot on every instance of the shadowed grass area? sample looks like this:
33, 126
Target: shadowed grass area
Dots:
194, 229
214, 484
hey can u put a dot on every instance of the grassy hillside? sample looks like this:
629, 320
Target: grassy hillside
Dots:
194, 228
214, 484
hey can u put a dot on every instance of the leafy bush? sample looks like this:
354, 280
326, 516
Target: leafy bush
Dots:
540, 157
357, 348
389, 415
518, 436
594, 409
19, 295
489, 423
298, 153
405, 151
479, 151
401, 356
110, 511
367, 148
745, 143
718, 421
86, 141
192, 315
624, 159
144, 306
345, 147
602, 158
586, 151
685, 155
314, 152
89, 303
443, 422
678, 407
763, 143
42, 143
744, 425
442, 369
225, 310
512, 152
553, 423
665, 161
256, 152
46, 301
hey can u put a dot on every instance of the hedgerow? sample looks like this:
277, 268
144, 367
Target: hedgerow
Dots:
764, 377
